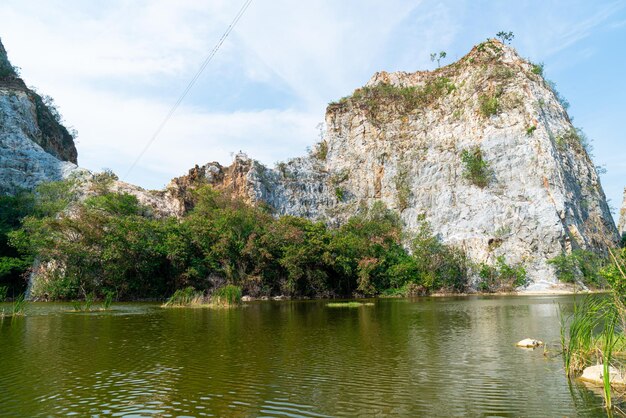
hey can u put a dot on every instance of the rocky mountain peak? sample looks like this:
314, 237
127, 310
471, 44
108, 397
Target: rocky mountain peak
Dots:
489, 53
413, 141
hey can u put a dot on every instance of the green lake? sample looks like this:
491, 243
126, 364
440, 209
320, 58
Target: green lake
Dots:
404, 357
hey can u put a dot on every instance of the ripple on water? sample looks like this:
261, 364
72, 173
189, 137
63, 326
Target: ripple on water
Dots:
399, 357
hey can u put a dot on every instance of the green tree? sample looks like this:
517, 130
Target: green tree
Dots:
505, 37
438, 57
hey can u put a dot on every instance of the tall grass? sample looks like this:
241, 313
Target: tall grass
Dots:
225, 296
607, 353
184, 297
108, 300
19, 304
84, 306
228, 295
591, 337
578, 347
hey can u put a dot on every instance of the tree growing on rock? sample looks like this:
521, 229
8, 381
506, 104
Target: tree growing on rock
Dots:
438, 57
505, 37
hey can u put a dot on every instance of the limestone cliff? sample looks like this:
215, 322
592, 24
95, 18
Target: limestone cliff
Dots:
400, 139
34, 145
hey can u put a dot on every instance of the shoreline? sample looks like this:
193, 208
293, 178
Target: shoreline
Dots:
560, 291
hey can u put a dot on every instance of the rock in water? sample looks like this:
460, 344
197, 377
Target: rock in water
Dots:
400, 140
595, 375
529, 343
34, 145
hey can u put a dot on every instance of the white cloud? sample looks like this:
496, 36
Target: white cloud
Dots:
116, 67
194, 136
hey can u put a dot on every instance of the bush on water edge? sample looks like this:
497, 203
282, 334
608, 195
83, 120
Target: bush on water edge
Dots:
17, 307
110, 243
225, 296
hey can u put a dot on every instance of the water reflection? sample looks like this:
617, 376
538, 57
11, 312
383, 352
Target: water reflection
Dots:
420, 357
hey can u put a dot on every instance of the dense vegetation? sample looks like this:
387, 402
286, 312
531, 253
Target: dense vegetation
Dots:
580, 266
110, 244
13, 265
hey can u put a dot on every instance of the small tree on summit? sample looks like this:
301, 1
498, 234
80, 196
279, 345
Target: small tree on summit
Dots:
505, 37
438, 57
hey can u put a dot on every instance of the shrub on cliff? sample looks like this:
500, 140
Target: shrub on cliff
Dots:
489, 105
475, 169
404, 99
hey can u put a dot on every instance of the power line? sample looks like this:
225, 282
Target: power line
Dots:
206, 62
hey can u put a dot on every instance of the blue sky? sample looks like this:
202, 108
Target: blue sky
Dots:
115, 68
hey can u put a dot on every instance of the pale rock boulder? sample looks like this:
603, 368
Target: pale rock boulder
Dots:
595, 375
529, 343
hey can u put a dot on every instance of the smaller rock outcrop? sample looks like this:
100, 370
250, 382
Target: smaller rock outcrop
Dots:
34, 145
157, 203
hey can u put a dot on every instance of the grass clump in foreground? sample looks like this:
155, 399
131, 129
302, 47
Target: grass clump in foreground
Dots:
226, 296
86, 305
595, 332
594, 337
351, 304
17, 309
184, 298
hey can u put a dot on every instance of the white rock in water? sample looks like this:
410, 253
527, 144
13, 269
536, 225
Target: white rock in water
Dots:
595, 375
529, 343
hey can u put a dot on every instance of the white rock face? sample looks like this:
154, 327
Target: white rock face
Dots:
544, 196
23, 162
